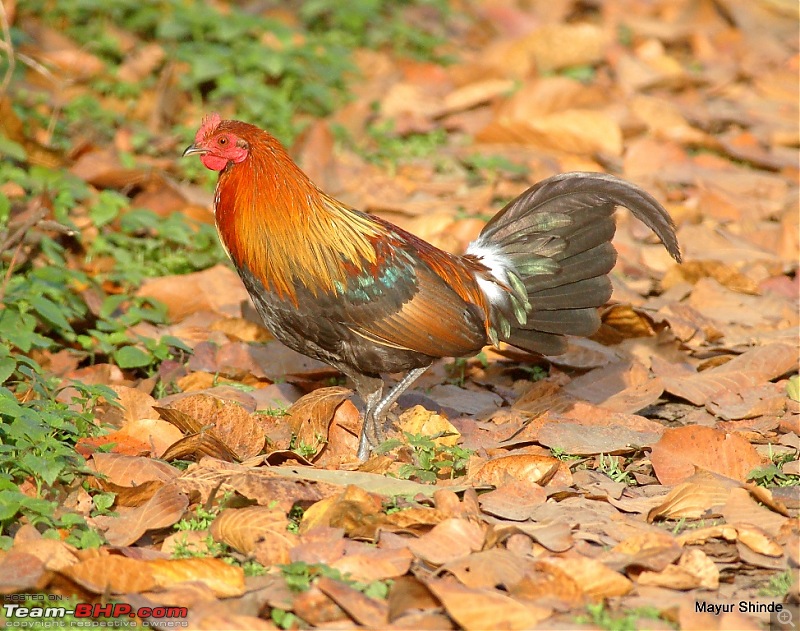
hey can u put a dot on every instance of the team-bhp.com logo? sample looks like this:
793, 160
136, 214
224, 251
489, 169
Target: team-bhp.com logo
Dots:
112, 614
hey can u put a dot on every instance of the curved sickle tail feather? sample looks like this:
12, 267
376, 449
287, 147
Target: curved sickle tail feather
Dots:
550, 252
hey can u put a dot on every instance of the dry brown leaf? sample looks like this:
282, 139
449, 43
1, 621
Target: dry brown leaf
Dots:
692, 271
650, 550
489, 568
363, 609
681, 449
360, 513
449, 540
132, 470
470, 95
232, 424
419, 421
515, 500
216, 289
741, 508
557, 46
112, 574
526, 467
763, 400
196, 446
694, 570
163, 509
311, 416
548, 583
225, 580
479, 609
702, 494
408, 594
241, 528
573, 131
595, 579
54, 555
134, 405
596, 432
375, 564
141, 64
757, 540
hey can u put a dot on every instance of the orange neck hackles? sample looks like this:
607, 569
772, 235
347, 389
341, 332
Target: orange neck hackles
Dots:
275, 222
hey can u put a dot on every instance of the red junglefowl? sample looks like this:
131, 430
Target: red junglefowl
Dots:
368, 298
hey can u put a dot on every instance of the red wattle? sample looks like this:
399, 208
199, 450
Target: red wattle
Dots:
215, 163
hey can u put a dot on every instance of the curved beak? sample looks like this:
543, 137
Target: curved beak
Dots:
192, 149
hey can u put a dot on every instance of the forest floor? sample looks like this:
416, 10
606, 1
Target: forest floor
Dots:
160, 450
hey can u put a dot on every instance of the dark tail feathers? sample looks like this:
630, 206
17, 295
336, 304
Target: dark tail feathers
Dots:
557, 238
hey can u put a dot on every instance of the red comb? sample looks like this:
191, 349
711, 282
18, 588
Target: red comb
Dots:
207, 127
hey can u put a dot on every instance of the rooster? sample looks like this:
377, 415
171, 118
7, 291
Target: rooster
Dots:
369, 298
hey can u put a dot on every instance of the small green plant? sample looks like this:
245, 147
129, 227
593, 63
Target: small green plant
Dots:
772, 475
778, 585
295, 517
613, 467
300, 576
490, 168
457, 370
201, 519
537, 373
430, 458
37, 439
386, 148
208, 547
600, 616
561, 454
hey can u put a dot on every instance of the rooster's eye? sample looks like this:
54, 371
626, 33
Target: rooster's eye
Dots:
222, 140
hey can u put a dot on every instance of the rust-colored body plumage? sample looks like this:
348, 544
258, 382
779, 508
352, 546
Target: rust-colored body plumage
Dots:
366, 297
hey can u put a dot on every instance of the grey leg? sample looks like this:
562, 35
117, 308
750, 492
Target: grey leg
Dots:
371, 390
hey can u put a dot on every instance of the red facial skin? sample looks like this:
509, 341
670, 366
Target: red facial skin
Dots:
223, 148
220, 148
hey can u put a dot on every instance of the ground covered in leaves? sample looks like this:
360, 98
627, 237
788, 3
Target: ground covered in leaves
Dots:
159, 449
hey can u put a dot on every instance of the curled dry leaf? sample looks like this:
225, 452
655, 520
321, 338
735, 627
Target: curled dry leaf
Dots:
700, 496
132, 470
651, 550
241, 528
515, 500
355, 510
364, 610
752, 368
548, 583
681, 449
527, 467
375, 564
163, 509
595, 579
479, 609
419, 421
232, 424
111, 574
216, 289
311, 416
196, 446
741, 508
694, 570
450, 540
489, 568
225, 580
